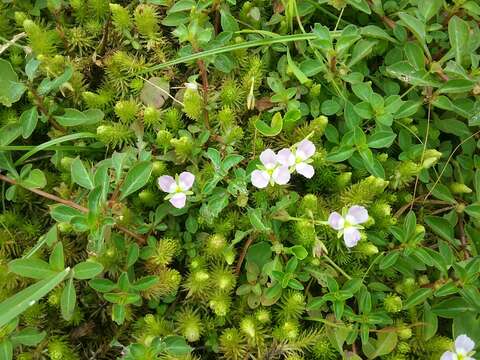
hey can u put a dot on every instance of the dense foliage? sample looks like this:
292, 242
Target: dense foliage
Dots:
287, 179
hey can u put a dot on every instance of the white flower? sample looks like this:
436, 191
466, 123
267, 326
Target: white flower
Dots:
463, 349
348, 224
191, 85
271, 172
300, 158
177, 188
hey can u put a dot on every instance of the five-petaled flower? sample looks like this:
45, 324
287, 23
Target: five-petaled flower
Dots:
272, 171
299, 158
348, 224
177, 188
463, 349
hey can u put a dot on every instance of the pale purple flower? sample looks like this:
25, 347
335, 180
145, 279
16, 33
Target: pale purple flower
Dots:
348, 224
272, 171
299, 158
463, 349
177, 188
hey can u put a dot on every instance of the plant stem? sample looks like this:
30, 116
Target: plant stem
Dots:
243, 254
71, 204
44, 111
338, 268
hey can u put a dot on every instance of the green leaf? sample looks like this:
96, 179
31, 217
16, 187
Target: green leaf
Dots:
102, 285
28, 336
270, 130
403, 71
440, 226
136, 178
228, 22
57, 261
28, 120
6, 350
87, 270
381, 139
418, 297
416, 26
181, 5
64, 213
361, 5
255, 217
47, 85
341, 154
81, 175
9, 133
68, 300
296, 70
430, 323
330, 107
31, 268
473, 210
389, 260
451, 308
31, 68
458, 33
362, 49
10, 89
456, 86
177, 346
384, 344
118, 313
430, 8
376, 32
21, 301
74, 117
35, 179
299, 252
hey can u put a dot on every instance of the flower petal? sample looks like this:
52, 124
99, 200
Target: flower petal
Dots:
357, 215
185, 180
448, 355
336, 221
178, 200
305, 169
281, 175
167, 183
285, 157
351, 236
260, 179
305, 149
463, 344
268, 158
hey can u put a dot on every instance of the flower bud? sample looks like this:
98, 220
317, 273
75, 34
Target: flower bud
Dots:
367, 249
430, 158
404, 332
459, 188
393, 303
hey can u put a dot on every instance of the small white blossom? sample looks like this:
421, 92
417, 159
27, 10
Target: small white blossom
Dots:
177, 188
463, 349
348, 224
272, 171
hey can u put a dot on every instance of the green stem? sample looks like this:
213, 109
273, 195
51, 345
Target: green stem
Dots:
338, 268
245, 45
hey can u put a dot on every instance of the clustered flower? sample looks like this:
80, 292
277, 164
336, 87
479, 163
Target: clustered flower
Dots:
463, 349
277, 168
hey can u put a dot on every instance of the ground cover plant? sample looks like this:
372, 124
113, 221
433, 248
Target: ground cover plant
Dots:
287, 179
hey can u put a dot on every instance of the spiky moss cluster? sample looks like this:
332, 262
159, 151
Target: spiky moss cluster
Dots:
59, 349
324, 350
363, 192
192, 104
